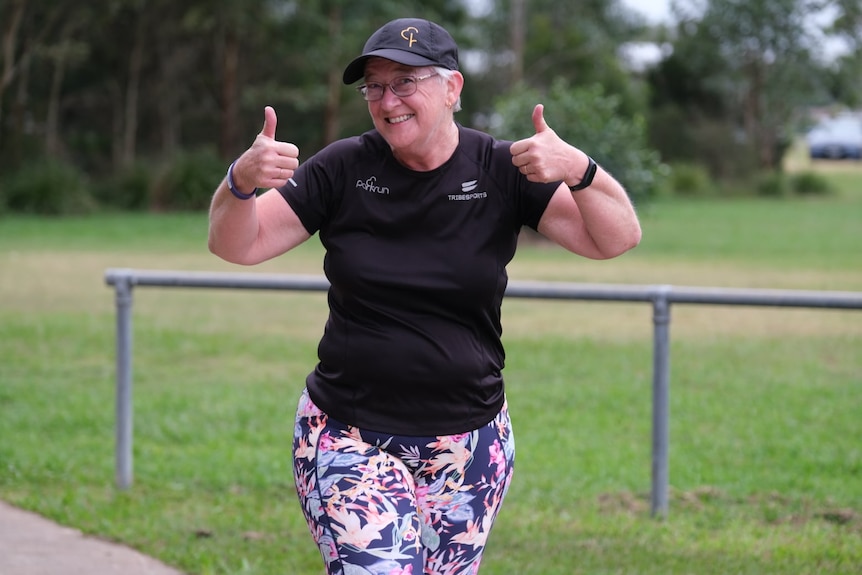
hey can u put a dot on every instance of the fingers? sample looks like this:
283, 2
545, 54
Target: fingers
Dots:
523, 146
524, 151
285, 152
268, 163
273, 162
269, 121
539, 119
286, 155
275, 169
543, 156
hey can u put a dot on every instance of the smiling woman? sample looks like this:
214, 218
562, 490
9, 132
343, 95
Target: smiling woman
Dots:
403, 451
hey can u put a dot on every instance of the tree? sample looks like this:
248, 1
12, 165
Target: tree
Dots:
539, 41
847, 70
592, 120
24, 30
12, 14
748, 64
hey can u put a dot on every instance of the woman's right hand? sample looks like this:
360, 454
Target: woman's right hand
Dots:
268, 163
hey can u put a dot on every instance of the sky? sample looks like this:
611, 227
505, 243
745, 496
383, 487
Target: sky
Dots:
656, 11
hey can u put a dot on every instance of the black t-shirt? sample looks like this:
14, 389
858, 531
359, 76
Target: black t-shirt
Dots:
417, 266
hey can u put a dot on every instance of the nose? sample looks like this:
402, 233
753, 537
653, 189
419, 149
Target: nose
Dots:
389, 98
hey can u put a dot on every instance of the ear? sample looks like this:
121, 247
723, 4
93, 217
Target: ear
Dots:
453, 88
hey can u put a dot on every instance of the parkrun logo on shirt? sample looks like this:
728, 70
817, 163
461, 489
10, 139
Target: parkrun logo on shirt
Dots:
467, 192
370, 185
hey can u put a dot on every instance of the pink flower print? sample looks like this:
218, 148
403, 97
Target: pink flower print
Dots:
399, 571
448, 442
476, 533
307, 408
328, 549
472, 536
498, 458
350, 530
325, 442
303, 450
379, 519
421, 495
452, 460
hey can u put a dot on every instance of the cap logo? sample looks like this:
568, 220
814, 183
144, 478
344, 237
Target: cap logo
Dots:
407, 34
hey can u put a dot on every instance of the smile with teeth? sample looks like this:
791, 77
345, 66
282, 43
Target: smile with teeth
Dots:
399, 119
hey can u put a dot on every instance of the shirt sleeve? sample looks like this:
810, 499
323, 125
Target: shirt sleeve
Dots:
530, 199
315, 189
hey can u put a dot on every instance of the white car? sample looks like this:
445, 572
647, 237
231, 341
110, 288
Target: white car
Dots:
836, 138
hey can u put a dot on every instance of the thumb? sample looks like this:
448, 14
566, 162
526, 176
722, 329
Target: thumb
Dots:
269, 122
539, 118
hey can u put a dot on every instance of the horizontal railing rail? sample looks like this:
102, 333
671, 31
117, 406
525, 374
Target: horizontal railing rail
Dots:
660, 296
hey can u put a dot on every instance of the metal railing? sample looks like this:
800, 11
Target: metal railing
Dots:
660, 296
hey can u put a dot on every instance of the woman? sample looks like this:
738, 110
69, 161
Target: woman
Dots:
403, 448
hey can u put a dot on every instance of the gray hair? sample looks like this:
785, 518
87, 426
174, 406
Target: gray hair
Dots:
447, 74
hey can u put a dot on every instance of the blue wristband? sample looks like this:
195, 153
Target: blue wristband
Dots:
233, 189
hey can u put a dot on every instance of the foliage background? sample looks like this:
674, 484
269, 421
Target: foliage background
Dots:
138, 106
132, 104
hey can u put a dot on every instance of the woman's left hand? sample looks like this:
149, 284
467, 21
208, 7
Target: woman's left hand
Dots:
545, 157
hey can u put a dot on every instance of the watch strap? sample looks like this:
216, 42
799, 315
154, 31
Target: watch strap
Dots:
588, 176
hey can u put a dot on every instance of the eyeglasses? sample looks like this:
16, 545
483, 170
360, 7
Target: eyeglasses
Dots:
402, 86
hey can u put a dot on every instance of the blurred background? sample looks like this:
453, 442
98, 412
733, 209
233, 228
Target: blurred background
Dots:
141, 105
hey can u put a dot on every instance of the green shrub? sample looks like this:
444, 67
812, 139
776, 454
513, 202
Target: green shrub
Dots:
719, 147
810, 184
187, 181
771, 185
588, 118
690, 180
682, 137
48, 187
127, 189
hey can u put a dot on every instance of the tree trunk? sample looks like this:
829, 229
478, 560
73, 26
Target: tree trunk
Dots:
763, 141
22, 93
130, 116
52, 121
116, 93
333, 81
172, 59
517, 36
751, 115
10, 39
229, 95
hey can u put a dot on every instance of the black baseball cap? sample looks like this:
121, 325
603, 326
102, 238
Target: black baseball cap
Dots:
409, 41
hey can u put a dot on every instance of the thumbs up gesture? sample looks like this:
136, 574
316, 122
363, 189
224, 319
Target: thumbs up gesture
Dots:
544, 156
268, 163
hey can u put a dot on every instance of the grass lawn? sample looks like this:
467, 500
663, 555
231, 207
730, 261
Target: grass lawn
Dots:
766, 437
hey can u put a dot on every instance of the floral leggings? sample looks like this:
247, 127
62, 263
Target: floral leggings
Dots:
378, 504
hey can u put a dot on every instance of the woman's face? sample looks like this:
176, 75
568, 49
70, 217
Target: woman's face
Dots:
417, 125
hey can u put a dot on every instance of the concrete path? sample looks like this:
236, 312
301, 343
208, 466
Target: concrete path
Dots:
33, 545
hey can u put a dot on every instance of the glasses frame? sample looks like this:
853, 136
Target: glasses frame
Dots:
363, 89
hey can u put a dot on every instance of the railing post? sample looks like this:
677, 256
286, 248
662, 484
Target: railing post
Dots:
661, 297
661, 401
123, 289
